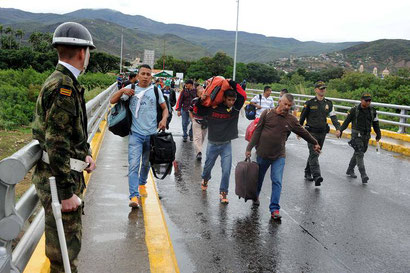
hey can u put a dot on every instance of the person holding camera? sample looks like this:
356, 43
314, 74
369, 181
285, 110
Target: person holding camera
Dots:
316, 111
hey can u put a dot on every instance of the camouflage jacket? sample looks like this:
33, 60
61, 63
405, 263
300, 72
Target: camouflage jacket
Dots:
60, 125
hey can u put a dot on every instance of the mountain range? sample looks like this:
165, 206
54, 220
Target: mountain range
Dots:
181, 41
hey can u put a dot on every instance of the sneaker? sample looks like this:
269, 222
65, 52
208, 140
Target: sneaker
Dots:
351, 173
143, 190
134, 203
204, 185
223, 197
185, 139
256, 203
308, 177
276, 215
318, 180
365, 180
199, 156
191, 138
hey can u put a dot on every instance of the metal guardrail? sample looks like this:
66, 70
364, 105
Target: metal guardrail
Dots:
14, 216
300, 99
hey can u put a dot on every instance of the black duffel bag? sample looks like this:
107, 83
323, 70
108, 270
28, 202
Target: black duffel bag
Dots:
162, 151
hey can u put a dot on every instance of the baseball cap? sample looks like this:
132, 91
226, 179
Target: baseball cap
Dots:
320, 84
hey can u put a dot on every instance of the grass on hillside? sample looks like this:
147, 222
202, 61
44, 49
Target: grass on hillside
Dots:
10, 142
13, 140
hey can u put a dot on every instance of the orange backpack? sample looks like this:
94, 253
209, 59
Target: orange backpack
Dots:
214, 91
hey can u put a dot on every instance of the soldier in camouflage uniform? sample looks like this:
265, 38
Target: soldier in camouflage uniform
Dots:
362, 117
60, 126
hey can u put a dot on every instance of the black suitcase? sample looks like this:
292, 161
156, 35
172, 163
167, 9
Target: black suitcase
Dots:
246, 180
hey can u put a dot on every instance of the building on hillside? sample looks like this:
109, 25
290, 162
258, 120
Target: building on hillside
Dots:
375, 71
361, 68
385, 73
149, 57
135, 63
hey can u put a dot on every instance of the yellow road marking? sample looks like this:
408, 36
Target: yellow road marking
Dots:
160, 250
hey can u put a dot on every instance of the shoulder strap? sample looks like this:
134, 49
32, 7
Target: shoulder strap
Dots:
168, 171
133, 86
156, 93
260, 99
356, 114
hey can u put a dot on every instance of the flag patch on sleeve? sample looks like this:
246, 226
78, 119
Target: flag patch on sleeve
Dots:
65, 92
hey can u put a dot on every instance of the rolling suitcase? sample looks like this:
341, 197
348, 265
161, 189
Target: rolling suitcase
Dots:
246, 180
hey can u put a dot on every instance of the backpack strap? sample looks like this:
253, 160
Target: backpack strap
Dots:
168, 171
260, 99
133, 86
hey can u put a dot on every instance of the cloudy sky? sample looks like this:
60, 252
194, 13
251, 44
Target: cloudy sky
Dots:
305, 20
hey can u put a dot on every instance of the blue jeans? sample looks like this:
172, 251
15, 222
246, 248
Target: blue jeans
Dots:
212, 153
185, 123
276, 174
138, 156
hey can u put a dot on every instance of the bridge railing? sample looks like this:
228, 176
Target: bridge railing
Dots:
343, 105
13, 217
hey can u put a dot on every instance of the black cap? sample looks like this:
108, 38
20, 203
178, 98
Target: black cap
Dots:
320, 85
366, 96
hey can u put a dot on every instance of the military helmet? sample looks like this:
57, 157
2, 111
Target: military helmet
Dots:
74, 34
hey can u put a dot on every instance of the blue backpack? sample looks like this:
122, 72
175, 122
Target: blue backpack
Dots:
120, 118
250, 110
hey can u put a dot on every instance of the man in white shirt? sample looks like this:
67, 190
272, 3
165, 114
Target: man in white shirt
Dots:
263, 102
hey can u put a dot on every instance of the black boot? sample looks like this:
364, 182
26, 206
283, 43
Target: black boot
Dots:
350, 172
308, 177
318, 180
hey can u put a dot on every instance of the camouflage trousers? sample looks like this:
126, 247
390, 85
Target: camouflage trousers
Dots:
360, 144
73, 233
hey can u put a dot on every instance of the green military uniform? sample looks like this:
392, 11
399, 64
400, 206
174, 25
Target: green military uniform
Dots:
316, 112
60, 126
362, 121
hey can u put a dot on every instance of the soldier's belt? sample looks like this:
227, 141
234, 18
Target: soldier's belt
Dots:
75, 164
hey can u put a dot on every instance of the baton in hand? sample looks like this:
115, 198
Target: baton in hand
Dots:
55, 204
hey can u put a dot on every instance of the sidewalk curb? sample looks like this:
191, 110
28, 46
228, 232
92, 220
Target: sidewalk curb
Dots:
383, 145
160, 249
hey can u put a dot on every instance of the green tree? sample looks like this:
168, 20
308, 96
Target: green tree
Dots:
1, 35
220, 63
19, 34
10, 32
103, 62
262, 73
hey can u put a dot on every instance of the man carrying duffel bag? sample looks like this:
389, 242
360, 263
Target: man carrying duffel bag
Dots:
143, 104
270, 138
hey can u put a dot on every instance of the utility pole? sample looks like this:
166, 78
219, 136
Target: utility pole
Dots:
122, 41
236, 41
163, 58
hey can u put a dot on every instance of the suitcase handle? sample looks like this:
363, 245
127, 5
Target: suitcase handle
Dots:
248, 159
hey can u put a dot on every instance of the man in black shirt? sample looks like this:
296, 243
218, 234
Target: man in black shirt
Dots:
362, 117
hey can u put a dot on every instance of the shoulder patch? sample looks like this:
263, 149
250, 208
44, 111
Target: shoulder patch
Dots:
65, 92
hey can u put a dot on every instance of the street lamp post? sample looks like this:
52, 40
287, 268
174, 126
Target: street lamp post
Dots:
122, 38
236, 41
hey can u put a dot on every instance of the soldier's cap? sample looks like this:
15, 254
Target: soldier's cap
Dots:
320, 85
366, 96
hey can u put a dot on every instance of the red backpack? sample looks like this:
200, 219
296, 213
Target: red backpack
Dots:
215, 90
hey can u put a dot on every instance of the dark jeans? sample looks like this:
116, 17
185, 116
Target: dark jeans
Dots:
185, 123
312, 164
359, 144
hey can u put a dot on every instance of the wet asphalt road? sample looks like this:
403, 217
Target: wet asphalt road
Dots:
342, 226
